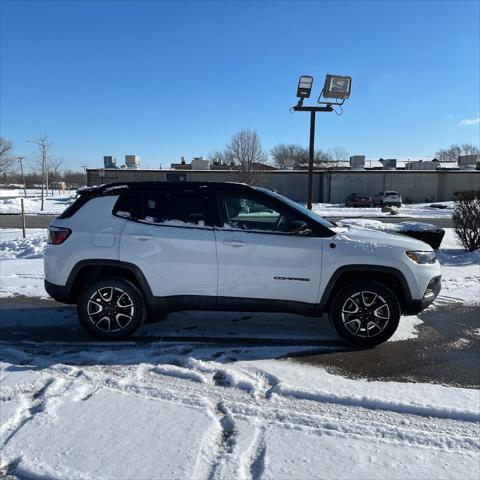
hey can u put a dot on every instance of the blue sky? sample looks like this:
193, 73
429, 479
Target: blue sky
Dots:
165, 79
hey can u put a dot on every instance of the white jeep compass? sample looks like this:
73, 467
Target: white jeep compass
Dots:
123, 250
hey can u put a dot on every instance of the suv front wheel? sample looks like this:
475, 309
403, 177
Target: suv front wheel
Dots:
365, 313
111, 308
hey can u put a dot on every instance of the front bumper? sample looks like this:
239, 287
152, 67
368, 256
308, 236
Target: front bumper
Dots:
431, 293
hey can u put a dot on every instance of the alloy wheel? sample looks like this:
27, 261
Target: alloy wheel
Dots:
110, 309
365, 314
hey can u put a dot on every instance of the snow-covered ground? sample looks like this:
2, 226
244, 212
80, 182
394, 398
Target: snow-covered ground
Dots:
188, 410
53, 204
180, 411
415, 210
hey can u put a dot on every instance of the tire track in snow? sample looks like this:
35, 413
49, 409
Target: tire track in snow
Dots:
218, 445
255, 456
223, 454
317, 417
226, 442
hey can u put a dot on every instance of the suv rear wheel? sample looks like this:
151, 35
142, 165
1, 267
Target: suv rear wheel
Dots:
365, 313
111, 308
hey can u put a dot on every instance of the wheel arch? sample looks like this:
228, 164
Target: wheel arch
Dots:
87, 271
389, 276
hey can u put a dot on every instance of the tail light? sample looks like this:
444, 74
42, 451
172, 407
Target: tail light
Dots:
57, 235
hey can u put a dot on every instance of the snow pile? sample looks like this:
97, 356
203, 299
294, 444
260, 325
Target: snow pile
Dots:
21, 270
370, 224
454, 257
414, 210
407, 328
12, 247
53, 205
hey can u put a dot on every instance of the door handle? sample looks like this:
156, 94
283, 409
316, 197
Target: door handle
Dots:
141, 237
234, 243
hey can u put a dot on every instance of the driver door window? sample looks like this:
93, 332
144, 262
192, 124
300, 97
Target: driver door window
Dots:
240, 213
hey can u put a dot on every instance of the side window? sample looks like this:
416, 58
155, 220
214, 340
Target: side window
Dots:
176, 209
128, 206
239, 212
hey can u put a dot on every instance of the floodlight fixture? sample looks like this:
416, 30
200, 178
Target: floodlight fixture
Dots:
304, 89
337, 86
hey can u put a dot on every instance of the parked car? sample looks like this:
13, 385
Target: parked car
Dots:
388, 198
359, 200
123, 250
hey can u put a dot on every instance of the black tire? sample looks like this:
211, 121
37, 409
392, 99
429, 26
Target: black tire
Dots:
376, 307
111, 308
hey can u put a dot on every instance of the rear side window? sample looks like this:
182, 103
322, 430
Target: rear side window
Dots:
128, 206
176, 209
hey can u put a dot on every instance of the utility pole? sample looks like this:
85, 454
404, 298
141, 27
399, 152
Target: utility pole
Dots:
23, 176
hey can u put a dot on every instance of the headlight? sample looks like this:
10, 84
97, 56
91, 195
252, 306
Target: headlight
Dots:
422, 257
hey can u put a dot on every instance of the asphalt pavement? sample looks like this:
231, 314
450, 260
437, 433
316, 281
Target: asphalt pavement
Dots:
446, 351
42, 221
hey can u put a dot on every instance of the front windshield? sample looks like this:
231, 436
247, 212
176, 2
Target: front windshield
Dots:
297, 206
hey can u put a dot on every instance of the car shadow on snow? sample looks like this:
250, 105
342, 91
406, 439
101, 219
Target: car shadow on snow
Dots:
50, 330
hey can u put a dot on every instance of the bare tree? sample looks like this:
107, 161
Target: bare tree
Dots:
452, 153
338, 154
6, 157
54, 168
217, 156
322, 159
298, 156
289, 155
470, 149
43, 146
245, 152
73, 179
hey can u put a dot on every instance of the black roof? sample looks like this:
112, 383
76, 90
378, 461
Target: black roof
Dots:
117, 187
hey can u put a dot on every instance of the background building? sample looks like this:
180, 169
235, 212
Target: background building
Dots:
330, 186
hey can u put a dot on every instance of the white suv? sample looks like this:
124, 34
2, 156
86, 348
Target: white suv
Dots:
389, 198
121, 251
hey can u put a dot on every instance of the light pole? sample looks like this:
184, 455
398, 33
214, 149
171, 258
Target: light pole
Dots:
336, 86
23, 176
85, 172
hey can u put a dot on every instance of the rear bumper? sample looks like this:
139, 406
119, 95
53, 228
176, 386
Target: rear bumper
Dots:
431, 293
60, 293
